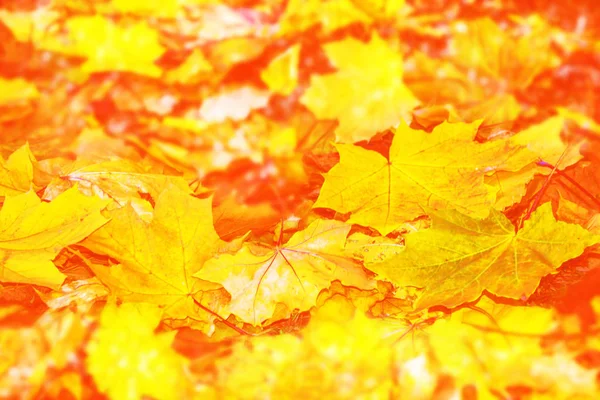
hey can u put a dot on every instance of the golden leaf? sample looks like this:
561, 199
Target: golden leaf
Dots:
293, 273
459, 257
32, 233
142, 362
341, 95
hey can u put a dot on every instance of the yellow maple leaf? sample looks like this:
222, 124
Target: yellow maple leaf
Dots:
281, 75
337, 358
331, 15
157, 8
293, 273
496, 346
129, 361
301, 15
441, 170
32, 233
341, 95
111, 47
159, 258
513, 60
16, 173
121, 180
459, 257
544, 141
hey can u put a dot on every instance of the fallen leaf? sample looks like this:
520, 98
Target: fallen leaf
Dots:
159, 258
32, 233
459, 257
16, 173
293, 273
143, 363
281, 75
341, 96
441, 170
107, 45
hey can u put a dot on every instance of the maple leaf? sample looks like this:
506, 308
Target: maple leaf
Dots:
496, 346
156, 8
292, 274
107, 45
544, 141
16, 173
330, 14
337, 358
32, 233
281, 75
441, 170
488, 66
121, 180
142, 362
341, 95
511, 58
459, 257
158, 258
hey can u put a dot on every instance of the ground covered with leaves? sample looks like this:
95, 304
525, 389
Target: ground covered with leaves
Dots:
301, 199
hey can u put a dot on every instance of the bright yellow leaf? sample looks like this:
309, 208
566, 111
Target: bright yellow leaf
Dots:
281, 75
336, 358
16, 173
32, 233
341, 95
544, 141
121, 180
292, 274
300, 15
129, 361
111, 47
511, 60
498, 346
158, 8
441, 170
158, 259
459, 257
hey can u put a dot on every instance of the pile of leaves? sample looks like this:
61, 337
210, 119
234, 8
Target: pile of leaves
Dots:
300, 199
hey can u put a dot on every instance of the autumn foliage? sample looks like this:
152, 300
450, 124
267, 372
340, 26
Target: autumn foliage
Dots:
300, 199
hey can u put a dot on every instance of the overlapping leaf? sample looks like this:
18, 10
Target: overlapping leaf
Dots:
441, 170
340, 95
32, 233
459, 257
158, 259
292, 274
